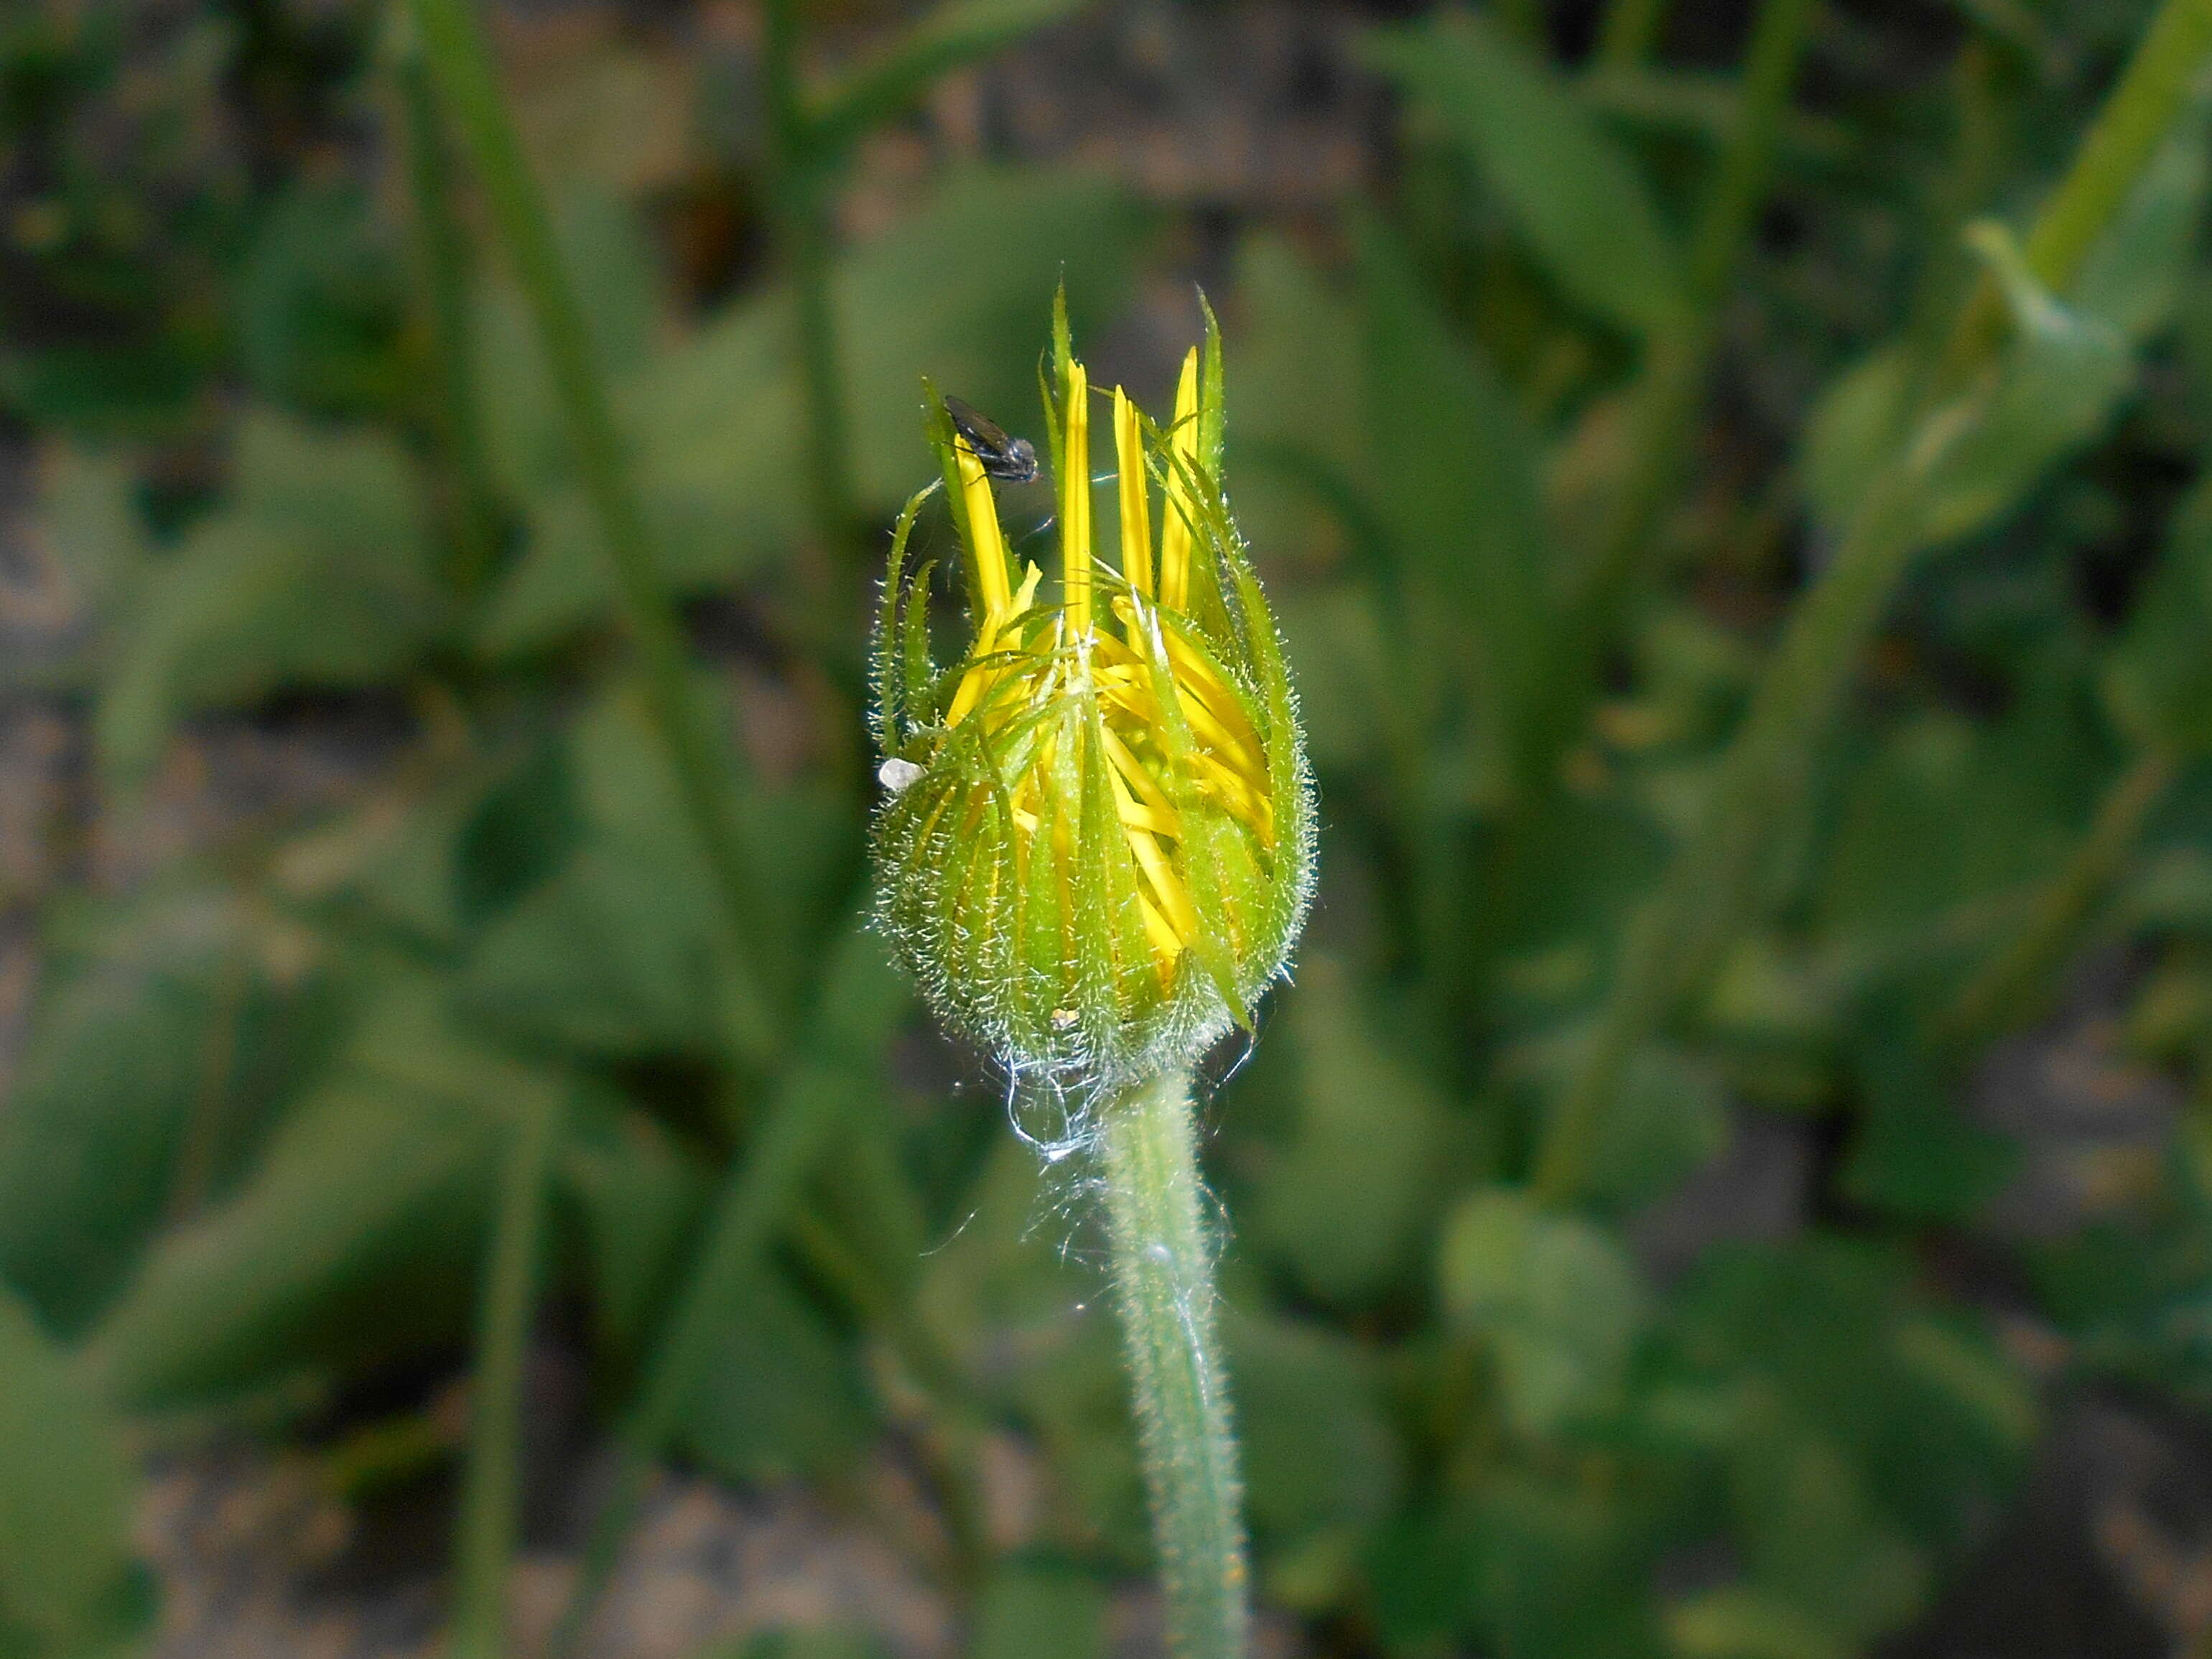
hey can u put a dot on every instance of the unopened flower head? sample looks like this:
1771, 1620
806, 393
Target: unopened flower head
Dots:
1096, 843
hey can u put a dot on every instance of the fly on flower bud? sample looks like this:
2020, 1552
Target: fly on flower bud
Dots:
1099, 847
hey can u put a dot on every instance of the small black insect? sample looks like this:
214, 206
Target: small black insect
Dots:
1010, 461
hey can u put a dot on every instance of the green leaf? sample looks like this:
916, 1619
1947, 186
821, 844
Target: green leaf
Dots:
795, 1641
1945, 811
1318, 1450
782, 1396
87, 523
320, 300
1354, 1191
2133, 276
637, 1194
717, 452
172, 1025
1537, 1567
615, 954
1299, 438
1831, 1337
1333, 633
1669, 1117
69, 1588
611, 957
1556, 1298
1027, 1611
1586, 216
1915, 1151
2060, 380
316, 572
1812, 1536
950, 34
1852, 430
621, 289
1034, 1327
2056, 387
1737, 1623
2158, 682
356, 1239
1453, 475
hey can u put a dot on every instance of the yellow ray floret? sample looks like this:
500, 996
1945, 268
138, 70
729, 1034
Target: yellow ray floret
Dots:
1136, 501
986, 543
1207, 758
1075, 503
1182, 510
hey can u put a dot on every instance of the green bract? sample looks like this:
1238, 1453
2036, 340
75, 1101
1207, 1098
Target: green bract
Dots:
1096, 844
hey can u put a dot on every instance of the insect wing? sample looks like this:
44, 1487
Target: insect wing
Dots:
984, 435
1001, 456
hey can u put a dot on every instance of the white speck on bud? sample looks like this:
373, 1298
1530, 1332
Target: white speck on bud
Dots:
895, 774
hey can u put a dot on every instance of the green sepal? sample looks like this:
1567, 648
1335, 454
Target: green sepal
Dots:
891, 668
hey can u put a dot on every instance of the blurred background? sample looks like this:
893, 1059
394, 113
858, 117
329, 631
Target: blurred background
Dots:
1732, 1177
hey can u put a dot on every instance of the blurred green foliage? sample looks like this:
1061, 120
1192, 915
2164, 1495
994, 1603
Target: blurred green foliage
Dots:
1558, 485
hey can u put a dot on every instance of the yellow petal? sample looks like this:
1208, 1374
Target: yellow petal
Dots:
1175, 526
1136, 504
1075, 502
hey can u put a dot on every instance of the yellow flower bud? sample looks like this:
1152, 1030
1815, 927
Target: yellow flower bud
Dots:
1096, 844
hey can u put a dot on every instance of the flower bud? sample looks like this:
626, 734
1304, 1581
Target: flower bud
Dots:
1096, 844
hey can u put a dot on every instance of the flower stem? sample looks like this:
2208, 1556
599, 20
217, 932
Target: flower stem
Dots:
1164, 1282
490, 1494
458, 52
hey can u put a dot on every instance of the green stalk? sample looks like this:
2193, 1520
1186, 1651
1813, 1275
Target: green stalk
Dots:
810, 1093
490, 1494
947, 1426
1675, 379
861, 1000
463, 65
1164, 1283
1663, 415
2132, 124
2001, 996
1523, 19
801, 209
1628, 33
1732, 199
1674, 940
442, 258
1673, 945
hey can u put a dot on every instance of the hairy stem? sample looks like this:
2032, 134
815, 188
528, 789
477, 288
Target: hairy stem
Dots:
490, 1494
1164, 1283
462, 60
